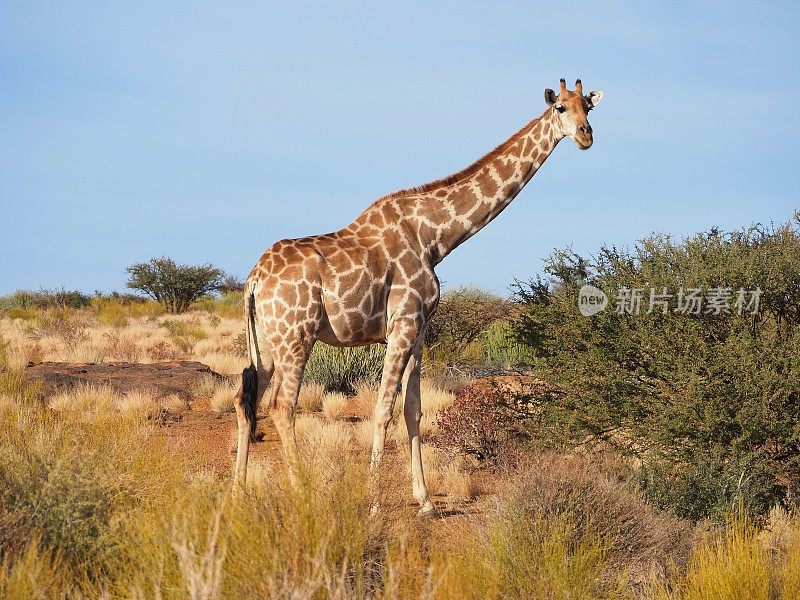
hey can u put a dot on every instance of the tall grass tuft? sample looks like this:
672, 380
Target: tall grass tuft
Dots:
731, 564
524, 556
341, 369
69, 486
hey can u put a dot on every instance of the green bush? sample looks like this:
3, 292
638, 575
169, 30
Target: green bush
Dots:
452, 336
707, 402
175, 286
500, 349
58, 299
230, 304
340, 369
184, 335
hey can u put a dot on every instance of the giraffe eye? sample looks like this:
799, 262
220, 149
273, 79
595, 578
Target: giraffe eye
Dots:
560, 108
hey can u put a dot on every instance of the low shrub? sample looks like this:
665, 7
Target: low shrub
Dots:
477, 423
229, 304
491, 417
729, 563
341, 369
71, 483
110, 313
62, 323
519, 555
26, 314
593, 495
184, 334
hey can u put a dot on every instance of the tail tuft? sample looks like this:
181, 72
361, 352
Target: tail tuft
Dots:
249, 398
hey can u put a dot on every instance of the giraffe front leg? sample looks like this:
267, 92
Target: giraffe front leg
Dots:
399, 347
412, 411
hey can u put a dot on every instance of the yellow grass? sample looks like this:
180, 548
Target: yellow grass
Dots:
311, 395
223, 394
87, 401
335, 405
161, 527
136, 333
95, 502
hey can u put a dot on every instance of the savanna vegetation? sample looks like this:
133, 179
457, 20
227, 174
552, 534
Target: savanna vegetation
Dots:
629, 454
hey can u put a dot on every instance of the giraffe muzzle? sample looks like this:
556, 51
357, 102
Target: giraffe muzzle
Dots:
583, 137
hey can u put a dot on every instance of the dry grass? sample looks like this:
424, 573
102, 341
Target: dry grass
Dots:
781, 540
365, 398
152, 524
113, 332
335, 405
225, 363
363, 433
324, 446
223, 394
730, 563
87, 401
94, 503
310, 398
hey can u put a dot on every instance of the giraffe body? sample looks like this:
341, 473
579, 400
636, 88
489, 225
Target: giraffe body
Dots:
374, 281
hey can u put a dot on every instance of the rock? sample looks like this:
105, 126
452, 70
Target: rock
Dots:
161, 379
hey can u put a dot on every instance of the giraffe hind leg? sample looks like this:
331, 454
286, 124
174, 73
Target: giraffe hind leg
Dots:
254, 383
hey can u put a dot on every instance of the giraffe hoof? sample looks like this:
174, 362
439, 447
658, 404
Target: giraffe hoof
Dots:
428, 510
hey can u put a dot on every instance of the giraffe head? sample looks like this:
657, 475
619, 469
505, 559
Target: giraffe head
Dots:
572, 109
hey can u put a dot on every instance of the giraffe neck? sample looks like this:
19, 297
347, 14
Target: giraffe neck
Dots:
461, 206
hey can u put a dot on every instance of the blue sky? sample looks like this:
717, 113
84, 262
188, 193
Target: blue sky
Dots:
206, 131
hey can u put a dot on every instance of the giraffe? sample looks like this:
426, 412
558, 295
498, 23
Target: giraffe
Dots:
374, 282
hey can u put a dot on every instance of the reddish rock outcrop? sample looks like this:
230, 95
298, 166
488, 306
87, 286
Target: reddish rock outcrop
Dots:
161, 379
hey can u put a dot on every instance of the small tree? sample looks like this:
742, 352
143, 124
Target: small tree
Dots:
462, 316
174, 286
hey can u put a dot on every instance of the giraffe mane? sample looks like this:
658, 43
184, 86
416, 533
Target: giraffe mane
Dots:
466, 171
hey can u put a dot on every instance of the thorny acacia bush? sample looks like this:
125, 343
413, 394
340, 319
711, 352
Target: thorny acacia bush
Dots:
463, 315
710, 404
175, 286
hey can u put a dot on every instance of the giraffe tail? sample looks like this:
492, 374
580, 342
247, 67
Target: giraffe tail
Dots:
250, 373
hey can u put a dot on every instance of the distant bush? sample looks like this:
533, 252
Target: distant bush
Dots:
231, 284
43, 299
497, 348
708, 403
462, 316
184, 335
110, 313
230, 304
340, 369
175, 286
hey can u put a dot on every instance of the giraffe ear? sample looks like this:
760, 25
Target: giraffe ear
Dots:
550, 97
594, 98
